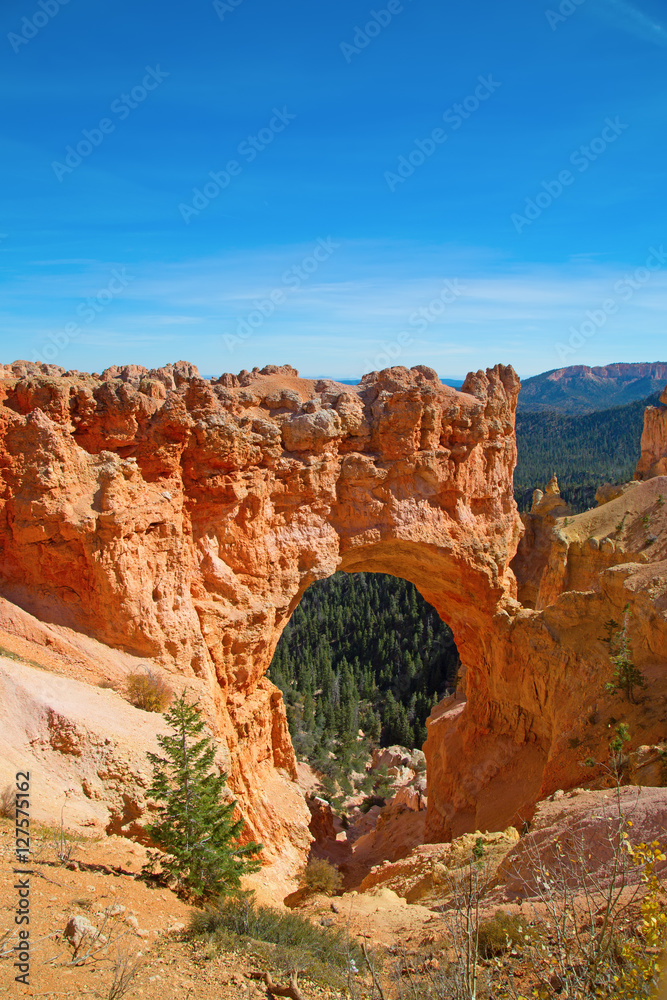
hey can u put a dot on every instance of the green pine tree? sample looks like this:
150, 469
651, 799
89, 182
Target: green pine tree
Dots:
194, 828
626, 675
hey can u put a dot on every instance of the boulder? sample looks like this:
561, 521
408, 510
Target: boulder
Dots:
426, 874
648, 766
579, 833
80, 928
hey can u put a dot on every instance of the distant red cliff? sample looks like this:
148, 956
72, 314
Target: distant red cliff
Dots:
580, 389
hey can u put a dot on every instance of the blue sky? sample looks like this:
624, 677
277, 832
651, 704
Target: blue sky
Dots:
357, 217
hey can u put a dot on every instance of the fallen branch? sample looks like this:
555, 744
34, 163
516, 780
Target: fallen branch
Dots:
86, 866
291, 991
47, 879
371, 969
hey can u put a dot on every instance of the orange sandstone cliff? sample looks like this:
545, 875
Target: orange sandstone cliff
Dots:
171, 520
179, 521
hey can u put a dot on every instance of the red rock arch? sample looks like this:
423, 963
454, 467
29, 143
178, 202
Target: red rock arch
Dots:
182, 519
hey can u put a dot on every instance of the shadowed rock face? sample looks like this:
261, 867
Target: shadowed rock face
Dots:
182, 519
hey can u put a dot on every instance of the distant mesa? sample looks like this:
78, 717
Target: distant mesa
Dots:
580, 389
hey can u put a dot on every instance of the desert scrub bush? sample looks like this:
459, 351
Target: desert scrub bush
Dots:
641, 965
299, 943
126, 965
591, 945
320, 875
8, 802
459, 974
148, 691
613, 961
501, 933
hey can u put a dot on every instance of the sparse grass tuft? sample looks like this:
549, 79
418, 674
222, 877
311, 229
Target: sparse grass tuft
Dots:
234, 921
10, 655
125, 967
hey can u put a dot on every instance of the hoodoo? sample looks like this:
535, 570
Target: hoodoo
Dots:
653, 461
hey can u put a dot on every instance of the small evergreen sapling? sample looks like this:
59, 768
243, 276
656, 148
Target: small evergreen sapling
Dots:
194, 828
627, 676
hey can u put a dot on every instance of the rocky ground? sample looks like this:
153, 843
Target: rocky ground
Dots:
99, 885
401, 911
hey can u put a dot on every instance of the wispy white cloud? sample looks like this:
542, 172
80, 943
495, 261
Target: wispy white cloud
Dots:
629, 17
342, 317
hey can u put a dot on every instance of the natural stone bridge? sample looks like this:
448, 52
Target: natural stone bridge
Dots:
182, 519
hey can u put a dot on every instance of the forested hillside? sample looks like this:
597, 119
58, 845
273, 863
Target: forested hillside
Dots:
583, 451
362, 651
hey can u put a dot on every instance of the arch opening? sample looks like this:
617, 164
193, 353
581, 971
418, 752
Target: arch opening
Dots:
361, 664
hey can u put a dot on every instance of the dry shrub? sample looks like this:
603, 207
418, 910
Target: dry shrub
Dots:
8, 802
148, 691
370, 801
320, 875
126, 965
501, 933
